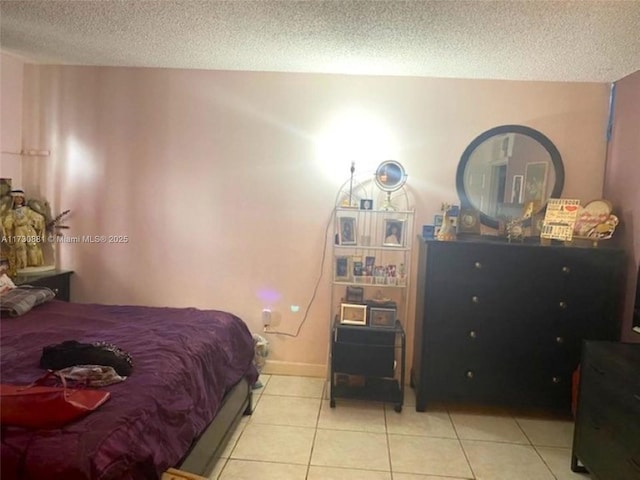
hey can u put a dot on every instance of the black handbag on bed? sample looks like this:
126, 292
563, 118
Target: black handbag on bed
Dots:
71, 353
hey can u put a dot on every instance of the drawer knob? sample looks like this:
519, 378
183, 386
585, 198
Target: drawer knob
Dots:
475, 299
559, 340
478, 265
555, 379
56, 291
473, 334
563, 305
469, 374
566, 270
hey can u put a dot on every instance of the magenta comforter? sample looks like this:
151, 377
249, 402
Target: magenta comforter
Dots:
184, 361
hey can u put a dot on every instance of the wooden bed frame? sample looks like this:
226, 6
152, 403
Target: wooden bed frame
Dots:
206, 449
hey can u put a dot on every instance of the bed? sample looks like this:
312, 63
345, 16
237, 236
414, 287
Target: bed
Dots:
191, 382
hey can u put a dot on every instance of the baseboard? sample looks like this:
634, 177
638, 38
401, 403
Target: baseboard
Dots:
277, 367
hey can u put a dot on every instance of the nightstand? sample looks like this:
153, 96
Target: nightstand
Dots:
607, 430
56, 280
368, 352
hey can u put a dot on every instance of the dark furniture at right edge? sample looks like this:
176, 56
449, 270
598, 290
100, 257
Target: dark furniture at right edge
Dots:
500, 323
607, 431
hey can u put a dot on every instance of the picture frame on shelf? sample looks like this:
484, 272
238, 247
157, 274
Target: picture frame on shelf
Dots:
353, 314
382, 317
354, 295
347, 231
342, 269
369, 264
393, 233
366, 204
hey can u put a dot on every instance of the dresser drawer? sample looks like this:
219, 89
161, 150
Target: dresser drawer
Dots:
467, 380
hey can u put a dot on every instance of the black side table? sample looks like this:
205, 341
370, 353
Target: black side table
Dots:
57, 280
369, 352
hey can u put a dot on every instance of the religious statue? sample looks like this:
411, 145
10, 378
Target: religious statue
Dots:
23, 232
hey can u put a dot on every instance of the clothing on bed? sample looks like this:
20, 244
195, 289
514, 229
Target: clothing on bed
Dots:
185, 361
18, 301
91, 375
71, 352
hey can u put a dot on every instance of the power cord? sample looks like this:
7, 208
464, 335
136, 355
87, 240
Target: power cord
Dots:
315, 288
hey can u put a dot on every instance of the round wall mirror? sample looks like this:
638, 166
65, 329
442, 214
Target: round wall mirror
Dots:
390, 176
506, 168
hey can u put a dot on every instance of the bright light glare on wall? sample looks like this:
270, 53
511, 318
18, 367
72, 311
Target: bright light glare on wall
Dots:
80, 163
353, 136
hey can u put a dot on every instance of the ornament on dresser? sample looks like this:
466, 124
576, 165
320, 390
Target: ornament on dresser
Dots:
469, 221
595, 221
515, 226
448, 229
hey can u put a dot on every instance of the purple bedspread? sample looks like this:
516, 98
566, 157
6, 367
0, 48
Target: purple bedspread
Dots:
184, 361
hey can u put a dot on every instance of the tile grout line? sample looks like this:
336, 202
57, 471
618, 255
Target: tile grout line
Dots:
315, 430
386, 432
464, 452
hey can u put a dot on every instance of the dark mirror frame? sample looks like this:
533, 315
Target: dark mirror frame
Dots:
548, 145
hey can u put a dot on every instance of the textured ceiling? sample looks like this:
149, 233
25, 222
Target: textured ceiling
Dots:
555, 40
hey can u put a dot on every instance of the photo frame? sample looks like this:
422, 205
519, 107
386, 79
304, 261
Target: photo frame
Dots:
393, 233
354, 295
382, 317
535, 182
369, 264
516, 188
428, 232
347, 231
469, 221
366, 204
342, 269
352, 314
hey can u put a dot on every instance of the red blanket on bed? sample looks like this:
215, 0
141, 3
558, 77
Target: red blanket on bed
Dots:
184, 360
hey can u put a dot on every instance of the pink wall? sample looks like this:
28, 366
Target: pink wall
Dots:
219, 183
11, 76
621, 184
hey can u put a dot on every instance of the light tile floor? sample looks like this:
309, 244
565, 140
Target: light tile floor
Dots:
293, 434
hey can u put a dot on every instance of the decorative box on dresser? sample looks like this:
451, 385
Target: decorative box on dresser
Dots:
57, 280
607, 431
502, 323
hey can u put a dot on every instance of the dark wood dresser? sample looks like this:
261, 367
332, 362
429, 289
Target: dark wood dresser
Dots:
501, 323
607, 431
57, 280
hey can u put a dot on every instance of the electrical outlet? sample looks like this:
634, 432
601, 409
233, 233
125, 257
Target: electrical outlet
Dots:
266, 317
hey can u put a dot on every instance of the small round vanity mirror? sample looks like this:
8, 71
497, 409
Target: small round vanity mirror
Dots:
506, 168
390, 176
